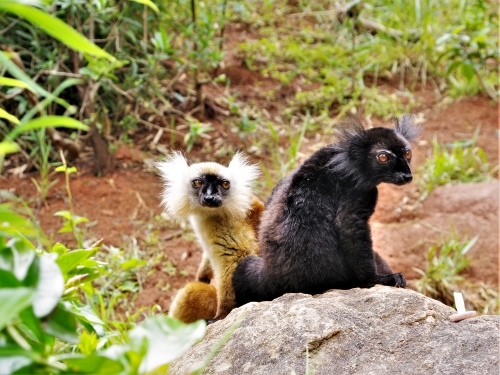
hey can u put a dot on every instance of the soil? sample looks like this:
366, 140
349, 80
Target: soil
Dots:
120, 206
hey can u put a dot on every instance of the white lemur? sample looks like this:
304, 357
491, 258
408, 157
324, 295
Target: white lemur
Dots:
314, 234
224, 213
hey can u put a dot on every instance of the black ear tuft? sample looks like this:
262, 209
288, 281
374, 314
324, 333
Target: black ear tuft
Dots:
407, 128
349, 129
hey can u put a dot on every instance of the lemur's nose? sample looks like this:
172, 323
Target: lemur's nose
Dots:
209, 199
407, 177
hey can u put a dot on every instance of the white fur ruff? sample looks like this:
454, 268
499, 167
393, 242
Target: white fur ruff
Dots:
180, 199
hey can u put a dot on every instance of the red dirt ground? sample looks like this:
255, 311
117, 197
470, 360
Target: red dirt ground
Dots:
120, 205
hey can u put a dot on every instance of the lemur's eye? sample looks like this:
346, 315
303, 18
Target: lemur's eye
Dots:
225, 184
383, 157
408, 154
197, 183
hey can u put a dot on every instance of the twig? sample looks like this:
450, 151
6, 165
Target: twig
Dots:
9, 27
118, 90
375, 26
63, 74
173, 131
177, 76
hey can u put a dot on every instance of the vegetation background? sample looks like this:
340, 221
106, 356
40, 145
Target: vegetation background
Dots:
104, 88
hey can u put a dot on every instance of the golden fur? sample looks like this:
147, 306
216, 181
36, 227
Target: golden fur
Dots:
227, 233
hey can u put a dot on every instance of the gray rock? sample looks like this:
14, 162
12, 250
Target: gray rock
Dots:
380, 330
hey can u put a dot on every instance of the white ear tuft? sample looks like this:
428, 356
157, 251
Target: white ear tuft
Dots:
173, 172
241, 169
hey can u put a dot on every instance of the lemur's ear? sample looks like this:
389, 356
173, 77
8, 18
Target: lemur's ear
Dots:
407, 127
172, 168
242, 170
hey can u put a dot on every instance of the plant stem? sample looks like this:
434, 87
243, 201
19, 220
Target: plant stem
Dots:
198, 86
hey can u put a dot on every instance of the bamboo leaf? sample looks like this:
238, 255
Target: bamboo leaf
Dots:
16, 72
4, 114
14, 83
149, 3
47, 122
8, 148
56, 28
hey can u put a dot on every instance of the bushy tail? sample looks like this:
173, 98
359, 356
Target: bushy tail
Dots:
194, 302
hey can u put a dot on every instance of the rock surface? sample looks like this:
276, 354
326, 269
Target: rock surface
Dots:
380, 330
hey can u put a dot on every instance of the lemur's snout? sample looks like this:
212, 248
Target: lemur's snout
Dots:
407, 177
211, 201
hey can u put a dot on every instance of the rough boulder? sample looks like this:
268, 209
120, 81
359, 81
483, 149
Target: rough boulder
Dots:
380, 330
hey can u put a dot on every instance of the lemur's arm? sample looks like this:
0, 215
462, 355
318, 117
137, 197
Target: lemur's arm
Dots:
356, 244
205, 272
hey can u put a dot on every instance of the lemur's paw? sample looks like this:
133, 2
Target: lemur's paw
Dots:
400, 281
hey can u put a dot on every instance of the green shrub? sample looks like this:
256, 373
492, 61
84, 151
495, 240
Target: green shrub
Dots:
454, 163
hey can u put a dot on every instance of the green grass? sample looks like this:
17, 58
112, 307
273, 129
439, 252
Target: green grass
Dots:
454, 163
445, 264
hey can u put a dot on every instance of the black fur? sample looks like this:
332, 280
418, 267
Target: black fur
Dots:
314, 233
210, 192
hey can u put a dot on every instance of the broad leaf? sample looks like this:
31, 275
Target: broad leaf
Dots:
12, 224
84, 313
22, 256
62, 325
73, 258
50, 287
13, 362
94, 364
168, 338
12, 302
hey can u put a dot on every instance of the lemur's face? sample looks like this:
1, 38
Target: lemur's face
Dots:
210, 189
390, 157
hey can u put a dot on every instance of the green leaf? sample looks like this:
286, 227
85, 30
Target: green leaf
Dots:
168, 338
32, 325
133, 263
84, 313
60, 249
16, 72
50, 287
62, 324
468, 70
47, 122
73, 258
64, 214
56, 28
149, 3
14, 83
22, 256
12, 302
7, 147
8, 280
12, 224
4, 114
11, 362
94, 364
469, 245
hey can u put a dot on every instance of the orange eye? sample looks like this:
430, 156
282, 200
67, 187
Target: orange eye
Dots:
225, 184
383, 158
408, 154
197, 183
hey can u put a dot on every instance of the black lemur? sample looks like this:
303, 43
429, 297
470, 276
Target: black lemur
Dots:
314, 233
